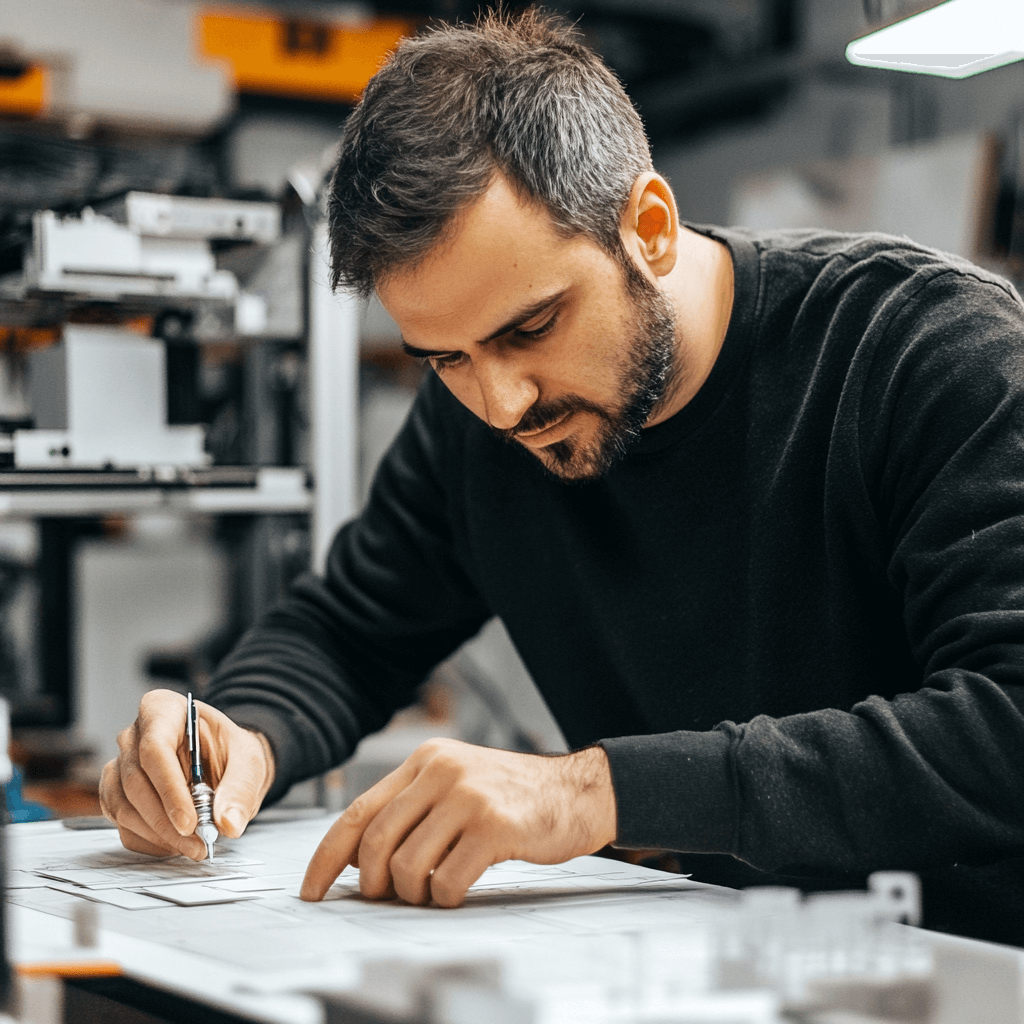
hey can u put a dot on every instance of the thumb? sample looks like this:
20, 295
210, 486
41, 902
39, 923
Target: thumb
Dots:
241, 787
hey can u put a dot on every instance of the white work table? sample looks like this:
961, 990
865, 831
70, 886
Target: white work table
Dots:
593, 930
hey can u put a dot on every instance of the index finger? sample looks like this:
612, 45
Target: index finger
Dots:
161, 731
339, 846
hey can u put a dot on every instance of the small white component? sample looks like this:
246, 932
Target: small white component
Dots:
156, 215
250, 314
86, 918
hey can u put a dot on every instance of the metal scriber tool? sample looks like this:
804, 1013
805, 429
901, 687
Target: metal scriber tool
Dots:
202, 795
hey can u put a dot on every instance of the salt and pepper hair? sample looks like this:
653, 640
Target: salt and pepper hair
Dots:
520, 95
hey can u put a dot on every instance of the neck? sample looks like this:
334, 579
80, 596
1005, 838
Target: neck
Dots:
701, 289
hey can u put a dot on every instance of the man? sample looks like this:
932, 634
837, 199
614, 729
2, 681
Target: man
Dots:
705, 477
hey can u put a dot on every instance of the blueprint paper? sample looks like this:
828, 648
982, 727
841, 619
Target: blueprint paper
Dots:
544, 918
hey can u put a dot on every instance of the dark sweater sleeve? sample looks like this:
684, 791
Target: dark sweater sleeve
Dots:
934, 776
341, 653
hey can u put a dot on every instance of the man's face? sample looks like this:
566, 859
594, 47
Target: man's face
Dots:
550, 341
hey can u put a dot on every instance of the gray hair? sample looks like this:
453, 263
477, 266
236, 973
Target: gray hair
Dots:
521, 96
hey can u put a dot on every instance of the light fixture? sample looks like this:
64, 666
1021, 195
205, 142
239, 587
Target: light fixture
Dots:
954, 38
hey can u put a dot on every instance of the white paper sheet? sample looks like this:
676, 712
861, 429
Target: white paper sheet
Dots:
268, 883
123, 898
100, 871
195, 895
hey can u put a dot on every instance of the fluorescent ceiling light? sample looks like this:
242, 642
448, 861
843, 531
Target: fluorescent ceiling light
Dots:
955, 39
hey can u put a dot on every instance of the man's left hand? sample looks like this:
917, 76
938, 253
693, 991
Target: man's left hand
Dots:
432, 827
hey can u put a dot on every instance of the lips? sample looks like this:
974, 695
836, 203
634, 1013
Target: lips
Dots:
544, 435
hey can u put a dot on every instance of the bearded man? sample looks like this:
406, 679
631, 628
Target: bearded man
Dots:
750, 506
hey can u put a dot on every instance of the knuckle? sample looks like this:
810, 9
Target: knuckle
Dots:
446, 763
152, 699
403, 864
472, 798
446, 893
126, 739
131, 779
437, 747
358, 813
372, 846
148, 750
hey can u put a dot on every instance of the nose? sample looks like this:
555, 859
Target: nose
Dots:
507, 392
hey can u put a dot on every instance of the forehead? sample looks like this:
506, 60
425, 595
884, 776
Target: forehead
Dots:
503, 253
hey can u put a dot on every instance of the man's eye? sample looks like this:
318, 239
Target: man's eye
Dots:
537, 332
446, 362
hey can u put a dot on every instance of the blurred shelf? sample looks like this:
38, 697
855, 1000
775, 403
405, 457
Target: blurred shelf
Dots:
223, 491
22, 307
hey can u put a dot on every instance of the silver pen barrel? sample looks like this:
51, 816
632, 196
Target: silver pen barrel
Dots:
202, 798
202, 794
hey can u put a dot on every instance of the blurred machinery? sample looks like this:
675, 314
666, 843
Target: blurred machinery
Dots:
156, 363
98, 398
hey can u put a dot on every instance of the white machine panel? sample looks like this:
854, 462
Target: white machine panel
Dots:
183, 217
94, 254
100, 399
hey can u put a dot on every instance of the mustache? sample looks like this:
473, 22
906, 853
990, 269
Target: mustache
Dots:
544, 414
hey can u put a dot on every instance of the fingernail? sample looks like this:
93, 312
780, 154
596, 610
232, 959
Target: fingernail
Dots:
234, 817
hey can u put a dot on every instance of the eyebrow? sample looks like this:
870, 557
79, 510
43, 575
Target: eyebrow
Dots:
521, 317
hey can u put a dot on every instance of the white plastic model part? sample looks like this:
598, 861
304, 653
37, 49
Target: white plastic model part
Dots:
94, 254
954, 39
185, 217
99, 398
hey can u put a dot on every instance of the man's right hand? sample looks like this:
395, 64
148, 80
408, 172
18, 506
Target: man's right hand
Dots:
144, 791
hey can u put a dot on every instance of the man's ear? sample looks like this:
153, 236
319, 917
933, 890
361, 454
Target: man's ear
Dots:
650, 223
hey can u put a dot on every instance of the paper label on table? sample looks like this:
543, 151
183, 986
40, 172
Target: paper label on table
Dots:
196, 895
138, 874
123, 898
268, 883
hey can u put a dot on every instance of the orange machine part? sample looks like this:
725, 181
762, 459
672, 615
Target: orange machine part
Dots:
295, 57
26, 94
70, 969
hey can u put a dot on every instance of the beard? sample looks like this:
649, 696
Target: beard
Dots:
648, 377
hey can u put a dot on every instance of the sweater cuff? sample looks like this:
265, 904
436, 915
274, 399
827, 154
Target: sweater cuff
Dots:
674, 791
260, 718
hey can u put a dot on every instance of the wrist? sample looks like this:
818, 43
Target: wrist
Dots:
595, 795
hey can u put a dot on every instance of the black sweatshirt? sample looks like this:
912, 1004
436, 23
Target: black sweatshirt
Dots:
793, 615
